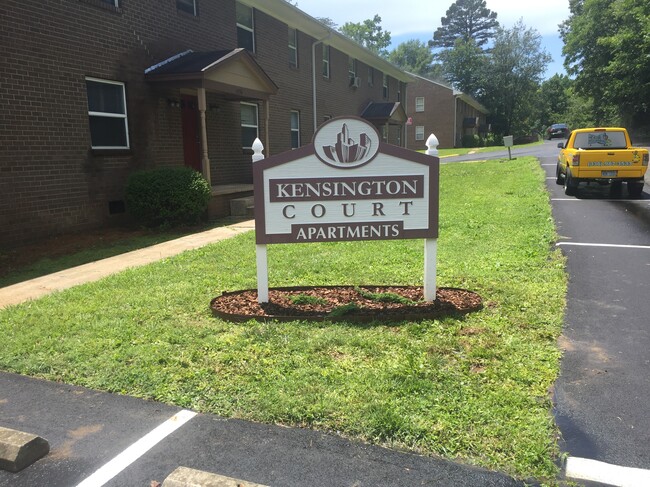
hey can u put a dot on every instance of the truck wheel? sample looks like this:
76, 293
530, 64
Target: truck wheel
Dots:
635, 188
570, 184
559, 178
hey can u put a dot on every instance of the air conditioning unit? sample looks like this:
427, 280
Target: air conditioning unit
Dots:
355, 82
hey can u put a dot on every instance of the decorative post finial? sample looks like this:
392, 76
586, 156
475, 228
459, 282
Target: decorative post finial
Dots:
258, 147
432, 145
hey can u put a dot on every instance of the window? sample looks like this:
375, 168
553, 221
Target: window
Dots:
419, 103
245, 27
326, 61
187, 6
352, 68
371, 76
419, 132
295, 129
107, 114
385, 85
249, 125
114, 3
293, 47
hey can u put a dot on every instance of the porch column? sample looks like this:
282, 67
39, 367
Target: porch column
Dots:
205, 161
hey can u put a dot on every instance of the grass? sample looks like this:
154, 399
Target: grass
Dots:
473, 389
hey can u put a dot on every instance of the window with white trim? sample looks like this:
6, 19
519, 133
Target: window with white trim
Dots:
419, 103
352, 68
419, 132
249, 124
245, 27
295, 129
385, 86
109, 128
326, 61
293, 47
187, 6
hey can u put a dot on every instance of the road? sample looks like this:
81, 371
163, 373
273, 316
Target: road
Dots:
602, 398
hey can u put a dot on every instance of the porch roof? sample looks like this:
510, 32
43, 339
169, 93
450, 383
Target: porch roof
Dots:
385, 112
233, 74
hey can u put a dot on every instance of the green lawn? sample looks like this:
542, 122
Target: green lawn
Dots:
475, 389
442, 153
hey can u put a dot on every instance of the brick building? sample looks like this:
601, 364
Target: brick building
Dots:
437, 108
91, 90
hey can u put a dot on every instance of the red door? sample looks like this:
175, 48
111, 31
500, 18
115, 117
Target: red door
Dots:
191, 138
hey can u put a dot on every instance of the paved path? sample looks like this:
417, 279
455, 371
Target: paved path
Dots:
36, 288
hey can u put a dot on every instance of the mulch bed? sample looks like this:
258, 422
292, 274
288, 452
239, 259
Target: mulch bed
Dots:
345, 303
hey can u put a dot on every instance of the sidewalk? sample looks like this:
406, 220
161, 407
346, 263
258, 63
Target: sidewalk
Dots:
36, 288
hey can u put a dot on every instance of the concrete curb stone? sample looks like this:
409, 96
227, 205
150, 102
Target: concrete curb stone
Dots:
19, 450
188, 477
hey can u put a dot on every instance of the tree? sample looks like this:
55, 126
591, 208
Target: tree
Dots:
328, 22
413, 56
553, 100
466, 20
464, 65
512, 78
605, 47
369, 34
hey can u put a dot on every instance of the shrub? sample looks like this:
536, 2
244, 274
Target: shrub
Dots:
167, 196
471, 140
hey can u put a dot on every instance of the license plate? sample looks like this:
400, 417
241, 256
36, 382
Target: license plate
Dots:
609, 174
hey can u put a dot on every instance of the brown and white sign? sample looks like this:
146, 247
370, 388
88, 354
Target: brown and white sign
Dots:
346, 185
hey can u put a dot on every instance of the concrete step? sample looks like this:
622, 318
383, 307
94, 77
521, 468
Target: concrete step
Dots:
242, 206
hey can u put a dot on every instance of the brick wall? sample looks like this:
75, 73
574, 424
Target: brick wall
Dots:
51, 181
437, 117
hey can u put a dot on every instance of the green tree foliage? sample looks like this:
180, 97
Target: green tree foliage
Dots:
369, 34
413, 56
466, 20
516, 64
328, 22
464, 66
606, 46
553, 100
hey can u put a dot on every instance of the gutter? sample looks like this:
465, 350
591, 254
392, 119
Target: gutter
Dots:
313, 75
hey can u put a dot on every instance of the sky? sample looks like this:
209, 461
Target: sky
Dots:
417, 19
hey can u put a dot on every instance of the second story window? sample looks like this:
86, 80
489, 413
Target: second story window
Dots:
114, 3
293, 47
385, 87
187, 6
245, 27
326, 61
352, 68
419, 103
371, 76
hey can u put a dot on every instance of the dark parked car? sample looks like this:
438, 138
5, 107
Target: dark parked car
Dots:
557, 130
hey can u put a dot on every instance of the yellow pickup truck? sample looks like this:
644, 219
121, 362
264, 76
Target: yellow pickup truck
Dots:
604, 156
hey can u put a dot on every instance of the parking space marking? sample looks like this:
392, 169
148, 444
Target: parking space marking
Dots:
606, 473
137, 449
578, 244
594, 199
549, 164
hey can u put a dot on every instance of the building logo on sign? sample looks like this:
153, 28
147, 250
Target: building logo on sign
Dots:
346, 185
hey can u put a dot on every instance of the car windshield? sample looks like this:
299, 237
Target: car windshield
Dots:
600, 140
558, 126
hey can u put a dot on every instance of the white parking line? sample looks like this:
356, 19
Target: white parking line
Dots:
548, 164
137, 449
606, 473
577, 244
594, 199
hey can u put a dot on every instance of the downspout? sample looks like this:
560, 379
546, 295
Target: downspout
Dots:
455, 119
406, 105
313, 73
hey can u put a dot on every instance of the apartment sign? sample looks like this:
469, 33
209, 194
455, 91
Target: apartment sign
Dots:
346, 185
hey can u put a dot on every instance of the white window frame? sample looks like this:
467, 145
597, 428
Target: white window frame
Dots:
352, 68
123, 116
295, 130
419, 132
250, 28
293, 47
419, 103
194, 8
326, 61
257, 121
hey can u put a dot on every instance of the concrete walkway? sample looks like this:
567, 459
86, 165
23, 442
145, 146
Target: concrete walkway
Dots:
36, 288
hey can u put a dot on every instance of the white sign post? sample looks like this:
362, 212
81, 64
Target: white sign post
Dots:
346, 185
